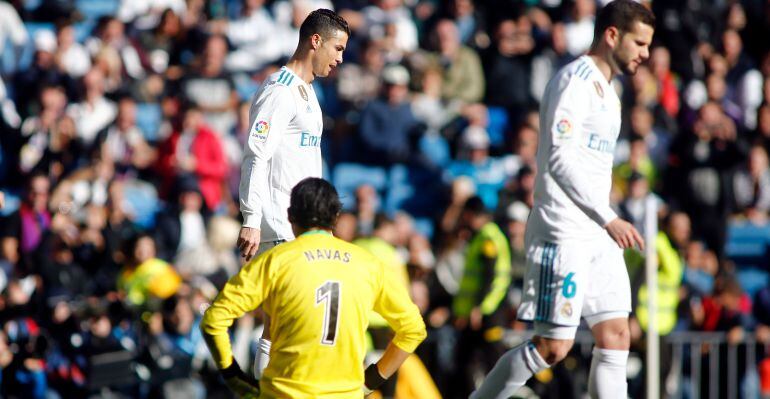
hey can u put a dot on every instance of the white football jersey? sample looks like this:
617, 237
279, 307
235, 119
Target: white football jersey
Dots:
579, 126
284, 147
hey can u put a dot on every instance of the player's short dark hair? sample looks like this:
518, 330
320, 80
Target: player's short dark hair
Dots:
314, 203
622, 14
323, 22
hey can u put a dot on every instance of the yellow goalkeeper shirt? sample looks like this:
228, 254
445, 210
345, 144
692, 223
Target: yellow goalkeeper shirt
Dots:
318, 291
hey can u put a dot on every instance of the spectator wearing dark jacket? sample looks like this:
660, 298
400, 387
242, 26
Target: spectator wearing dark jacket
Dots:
388, 122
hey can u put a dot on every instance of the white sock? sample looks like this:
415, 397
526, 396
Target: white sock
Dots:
511, 372
607, 378
262, 357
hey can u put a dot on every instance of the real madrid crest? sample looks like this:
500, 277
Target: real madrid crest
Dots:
599, 90
302, 92
566, 310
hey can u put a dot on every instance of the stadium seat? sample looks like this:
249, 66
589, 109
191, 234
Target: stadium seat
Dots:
10, 64
752, 279
435, 148
245, 86
747, 245
83, 30
424, 226
346, 177
7, 58
148, 118
142, 202
413, 189
31, 5
94, 9
12, 203
498, 124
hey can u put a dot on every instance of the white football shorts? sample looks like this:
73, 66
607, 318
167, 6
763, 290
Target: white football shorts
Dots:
568, 280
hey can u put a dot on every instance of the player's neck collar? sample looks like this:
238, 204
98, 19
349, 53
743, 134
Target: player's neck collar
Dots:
593, 64
291, 72
316, 231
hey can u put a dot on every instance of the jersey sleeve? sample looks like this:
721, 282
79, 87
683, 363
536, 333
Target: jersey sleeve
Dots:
396, 307
271, 114
564, 162
243, 293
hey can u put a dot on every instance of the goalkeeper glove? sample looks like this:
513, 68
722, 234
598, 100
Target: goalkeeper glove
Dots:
242, 384
372, 379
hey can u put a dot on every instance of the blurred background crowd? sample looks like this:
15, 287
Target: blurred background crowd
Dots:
122, 124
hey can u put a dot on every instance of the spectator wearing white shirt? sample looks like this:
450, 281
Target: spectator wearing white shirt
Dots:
95, 112
71, 56
123, 142
252, 34
288, 16
385, 15
579, 28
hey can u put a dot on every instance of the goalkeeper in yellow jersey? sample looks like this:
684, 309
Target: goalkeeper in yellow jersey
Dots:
318, 291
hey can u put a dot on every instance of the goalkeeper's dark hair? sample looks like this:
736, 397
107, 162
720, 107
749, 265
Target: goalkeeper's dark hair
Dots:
622, 14
314, 203
323, 22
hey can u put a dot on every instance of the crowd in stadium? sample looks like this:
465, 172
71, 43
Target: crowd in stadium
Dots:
123, 122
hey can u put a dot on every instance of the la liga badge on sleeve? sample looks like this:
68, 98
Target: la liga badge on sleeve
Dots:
260, 131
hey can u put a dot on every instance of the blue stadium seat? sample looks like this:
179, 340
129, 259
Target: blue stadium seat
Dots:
31, 5
748, 244
245, 86
143, 202
435, 148
424, 226
752, 279
498, 124
346, 177
94, 9
12, 202
413, 189
83, 30
9, 62
7, 58
148, 118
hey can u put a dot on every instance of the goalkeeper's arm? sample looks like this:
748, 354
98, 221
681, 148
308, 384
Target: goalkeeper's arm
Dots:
376, 374
239, 382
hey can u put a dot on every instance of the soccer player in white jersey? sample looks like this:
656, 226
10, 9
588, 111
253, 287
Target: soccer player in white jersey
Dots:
284, 143
575, 241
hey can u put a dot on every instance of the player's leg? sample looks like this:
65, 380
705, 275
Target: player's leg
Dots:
550, 345
606, 309
607, 378
553, 293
